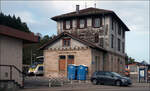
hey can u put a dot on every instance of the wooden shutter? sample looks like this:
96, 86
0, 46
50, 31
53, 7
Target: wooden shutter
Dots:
78, 23
64, 24
100, 21
85, 23
93, 22
70, 24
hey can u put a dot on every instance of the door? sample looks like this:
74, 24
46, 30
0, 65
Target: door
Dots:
70, 59
100, 77
62, 64
108, 78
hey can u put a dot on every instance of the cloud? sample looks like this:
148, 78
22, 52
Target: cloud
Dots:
135, 14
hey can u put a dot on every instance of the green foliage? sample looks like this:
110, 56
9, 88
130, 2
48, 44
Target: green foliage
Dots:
129, 60
13, 22
32, 49
28, 50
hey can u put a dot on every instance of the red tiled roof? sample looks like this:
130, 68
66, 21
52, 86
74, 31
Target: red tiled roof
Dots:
11, 32
90, 44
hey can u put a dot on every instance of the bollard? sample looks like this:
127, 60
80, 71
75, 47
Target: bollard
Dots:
71, 78
49, 82
79, 79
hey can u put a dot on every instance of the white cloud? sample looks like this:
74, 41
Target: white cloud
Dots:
133, 13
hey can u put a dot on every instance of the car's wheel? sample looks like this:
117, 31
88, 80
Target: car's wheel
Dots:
118, 83
95, 82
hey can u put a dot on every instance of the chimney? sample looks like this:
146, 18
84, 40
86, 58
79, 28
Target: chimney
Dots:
77, 9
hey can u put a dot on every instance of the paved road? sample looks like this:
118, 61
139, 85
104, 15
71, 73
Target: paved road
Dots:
41, 84
90, 89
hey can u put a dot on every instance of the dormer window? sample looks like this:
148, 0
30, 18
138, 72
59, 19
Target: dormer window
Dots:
97, 22
67, 24
66, 42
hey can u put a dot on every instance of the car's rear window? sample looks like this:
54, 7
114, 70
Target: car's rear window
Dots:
100, 73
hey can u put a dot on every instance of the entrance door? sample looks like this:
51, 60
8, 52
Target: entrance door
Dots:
70, 59
62, 64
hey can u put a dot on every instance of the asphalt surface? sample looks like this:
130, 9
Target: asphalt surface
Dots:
42, 84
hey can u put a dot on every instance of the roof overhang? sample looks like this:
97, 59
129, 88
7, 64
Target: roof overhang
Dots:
14, 33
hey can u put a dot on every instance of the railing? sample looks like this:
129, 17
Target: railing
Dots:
11, 67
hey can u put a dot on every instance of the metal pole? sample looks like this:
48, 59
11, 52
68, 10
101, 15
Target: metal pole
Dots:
10, 72
31, 56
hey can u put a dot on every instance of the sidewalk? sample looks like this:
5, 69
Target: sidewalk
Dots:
87, 86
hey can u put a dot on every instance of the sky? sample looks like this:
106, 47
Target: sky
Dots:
135, 14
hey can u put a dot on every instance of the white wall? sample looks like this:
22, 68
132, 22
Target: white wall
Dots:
10, 54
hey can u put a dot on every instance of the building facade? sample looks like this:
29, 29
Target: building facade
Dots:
11, 46
102, 28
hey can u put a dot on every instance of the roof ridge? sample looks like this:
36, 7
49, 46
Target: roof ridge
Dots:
85, 10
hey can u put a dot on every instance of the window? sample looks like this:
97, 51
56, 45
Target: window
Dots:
100, 73
70, 57
97, 22
40, 68
66, 42
118, 44
62, 57
107, 74
123, 34
112, 41
82, 23
123, 47
67, 24
133, 68
119, 30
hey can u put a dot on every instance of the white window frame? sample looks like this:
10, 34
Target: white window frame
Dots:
82, 23
97, 22
68, 24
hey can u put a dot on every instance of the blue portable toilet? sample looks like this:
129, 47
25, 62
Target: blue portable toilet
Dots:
82, 72
71, 73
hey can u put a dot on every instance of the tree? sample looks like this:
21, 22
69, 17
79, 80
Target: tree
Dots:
14, 22
129, 60
31, 49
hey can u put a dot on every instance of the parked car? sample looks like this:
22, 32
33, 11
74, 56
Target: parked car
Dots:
111, 78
